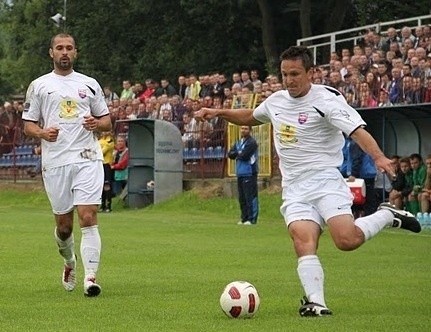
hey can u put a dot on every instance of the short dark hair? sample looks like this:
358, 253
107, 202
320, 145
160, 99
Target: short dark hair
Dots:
416, 156
299, 53
61, 35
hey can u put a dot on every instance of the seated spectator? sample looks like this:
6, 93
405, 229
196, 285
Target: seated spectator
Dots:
119, 165
384, 98
178, 109
402, 184
407, 90
366, 98
121, 128
425, 195
190, 135
419, 172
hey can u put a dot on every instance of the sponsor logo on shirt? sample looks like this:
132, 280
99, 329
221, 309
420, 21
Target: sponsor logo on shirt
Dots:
68, 109
287, 134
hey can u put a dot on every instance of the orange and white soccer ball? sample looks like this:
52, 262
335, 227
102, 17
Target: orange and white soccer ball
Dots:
240, 300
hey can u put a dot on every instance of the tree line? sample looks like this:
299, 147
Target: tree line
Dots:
135, 39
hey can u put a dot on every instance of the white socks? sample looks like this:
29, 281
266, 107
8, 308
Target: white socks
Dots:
90, 250
310, 273
374, 223
66, 248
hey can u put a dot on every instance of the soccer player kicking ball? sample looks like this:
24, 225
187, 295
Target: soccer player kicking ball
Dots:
308, 121
70, 107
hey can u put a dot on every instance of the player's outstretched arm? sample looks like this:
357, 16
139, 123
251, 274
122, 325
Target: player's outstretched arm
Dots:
370, 146
242, 117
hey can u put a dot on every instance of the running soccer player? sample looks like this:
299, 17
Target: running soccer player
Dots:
70, 107
308, 121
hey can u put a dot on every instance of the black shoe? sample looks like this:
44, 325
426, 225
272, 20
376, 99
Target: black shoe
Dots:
311, 309
402, 219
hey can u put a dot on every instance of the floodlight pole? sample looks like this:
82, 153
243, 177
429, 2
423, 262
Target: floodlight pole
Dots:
64, 15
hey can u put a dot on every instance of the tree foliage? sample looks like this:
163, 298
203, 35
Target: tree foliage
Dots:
134, 39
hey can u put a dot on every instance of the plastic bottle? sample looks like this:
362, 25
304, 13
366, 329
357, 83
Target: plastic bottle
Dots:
426, 220
420, 218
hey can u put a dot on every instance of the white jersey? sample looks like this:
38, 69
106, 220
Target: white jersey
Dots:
63, 101
308, 130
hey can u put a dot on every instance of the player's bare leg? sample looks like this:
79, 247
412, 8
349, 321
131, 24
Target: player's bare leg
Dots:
305, 235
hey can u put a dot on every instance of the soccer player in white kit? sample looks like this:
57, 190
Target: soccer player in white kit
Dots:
65, 109
308, 121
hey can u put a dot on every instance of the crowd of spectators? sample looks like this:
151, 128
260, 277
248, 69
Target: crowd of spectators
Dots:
382, 71
379, 71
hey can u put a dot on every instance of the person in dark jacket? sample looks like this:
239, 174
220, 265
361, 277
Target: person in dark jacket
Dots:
244, 151
358, 164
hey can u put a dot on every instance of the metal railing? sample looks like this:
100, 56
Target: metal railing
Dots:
323, 45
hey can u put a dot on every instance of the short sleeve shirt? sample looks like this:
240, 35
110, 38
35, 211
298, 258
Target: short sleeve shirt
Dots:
308, 130
63, 101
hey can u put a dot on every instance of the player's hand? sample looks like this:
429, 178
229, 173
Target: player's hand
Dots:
205, 114
351, 178
386, 165
90, 123
50, 134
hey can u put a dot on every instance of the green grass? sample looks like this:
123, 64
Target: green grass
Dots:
164, 267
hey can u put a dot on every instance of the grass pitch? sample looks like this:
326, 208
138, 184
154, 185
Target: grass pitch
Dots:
164, 268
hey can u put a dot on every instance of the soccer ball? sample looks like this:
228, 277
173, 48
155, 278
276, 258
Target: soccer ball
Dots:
239, 300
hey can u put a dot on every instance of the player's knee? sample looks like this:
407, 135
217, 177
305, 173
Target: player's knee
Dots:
88, 218
64, 231
346, 242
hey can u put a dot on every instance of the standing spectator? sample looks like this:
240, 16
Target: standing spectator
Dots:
360, 165
71, 107
181, 89
245, 80
254, 75
392, 37
120, 164
244, 152
127, 92
107, 145
110, 95
8, 121
195, 87
166, 88
219, 87
307, 123
149, 90
236, 78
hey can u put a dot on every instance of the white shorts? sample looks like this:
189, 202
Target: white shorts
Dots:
319, 197
75, 184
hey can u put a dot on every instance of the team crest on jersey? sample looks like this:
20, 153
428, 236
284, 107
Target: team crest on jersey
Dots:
302, 118
68, 109
82, 93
